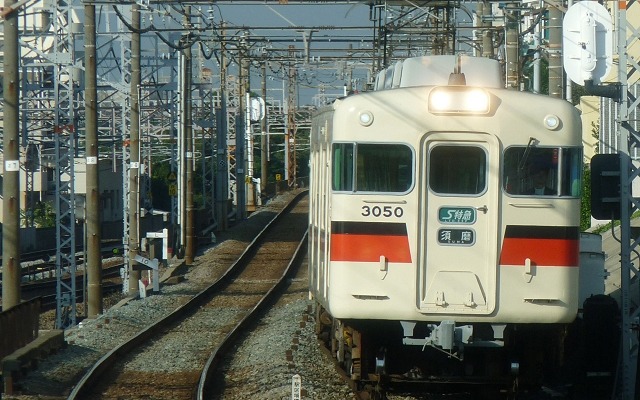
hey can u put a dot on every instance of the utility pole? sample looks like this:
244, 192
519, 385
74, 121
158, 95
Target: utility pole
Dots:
134, 148
484, 9
537, 40
512, 27
176, 222
568, 90
628, 244
188, 142
11, 273
350, 87
93, 261
241, 128
290, 136
264, 138
555, 52
222, 165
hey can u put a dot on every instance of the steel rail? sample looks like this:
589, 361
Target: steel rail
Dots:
85, 385
208, 373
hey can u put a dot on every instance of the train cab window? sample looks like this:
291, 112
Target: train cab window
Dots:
457, 170
383, 168
372, 167
542, 171
343, 166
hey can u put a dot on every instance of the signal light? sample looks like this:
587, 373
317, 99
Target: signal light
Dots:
605, 186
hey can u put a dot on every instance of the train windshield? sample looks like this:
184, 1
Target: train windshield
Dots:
458, 170
542, 171
372, 167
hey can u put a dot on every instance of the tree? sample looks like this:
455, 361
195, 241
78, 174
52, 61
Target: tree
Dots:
585, 203
160, 185
44, 215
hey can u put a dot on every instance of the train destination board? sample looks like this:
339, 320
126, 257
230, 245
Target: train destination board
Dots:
454, 236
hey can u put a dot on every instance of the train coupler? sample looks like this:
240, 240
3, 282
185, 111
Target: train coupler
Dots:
445, 336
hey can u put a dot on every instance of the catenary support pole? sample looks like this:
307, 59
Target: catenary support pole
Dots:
555, 53
222, 156
190, 240
134, 143
264, 138
93, 262
11, 156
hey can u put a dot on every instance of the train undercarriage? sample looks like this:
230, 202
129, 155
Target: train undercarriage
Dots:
508, 359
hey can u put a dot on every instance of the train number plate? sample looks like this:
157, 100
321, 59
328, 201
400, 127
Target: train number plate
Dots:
459, 237
457, 215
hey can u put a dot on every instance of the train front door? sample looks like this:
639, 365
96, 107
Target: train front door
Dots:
459, 217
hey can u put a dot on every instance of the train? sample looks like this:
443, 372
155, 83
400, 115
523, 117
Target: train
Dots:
444, 226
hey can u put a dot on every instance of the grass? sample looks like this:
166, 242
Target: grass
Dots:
606, 227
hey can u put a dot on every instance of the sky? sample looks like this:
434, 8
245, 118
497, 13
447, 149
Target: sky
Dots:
280, 21
271, 27
314, 29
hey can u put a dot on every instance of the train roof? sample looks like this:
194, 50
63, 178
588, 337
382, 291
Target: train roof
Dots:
435, 71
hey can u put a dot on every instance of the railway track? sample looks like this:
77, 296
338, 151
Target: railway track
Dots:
41, 264
239, 294
280, 345
39, 279
46, 288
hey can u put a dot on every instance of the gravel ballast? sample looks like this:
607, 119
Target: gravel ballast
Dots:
263, 365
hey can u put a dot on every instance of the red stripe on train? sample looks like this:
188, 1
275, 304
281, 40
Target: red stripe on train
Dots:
369, 248
541, 252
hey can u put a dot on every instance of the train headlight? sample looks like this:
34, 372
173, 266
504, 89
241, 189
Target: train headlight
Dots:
551, 122
366, 118
459, 100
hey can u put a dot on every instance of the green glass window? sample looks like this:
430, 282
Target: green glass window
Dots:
457, 170
372, 167
542, 171
343, 166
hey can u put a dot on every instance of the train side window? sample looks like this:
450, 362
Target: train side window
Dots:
343, 167
457, 170
542, 171
372, 167
571, 178
383, 167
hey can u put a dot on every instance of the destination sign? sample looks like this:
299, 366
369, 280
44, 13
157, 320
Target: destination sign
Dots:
457, 215
457, 237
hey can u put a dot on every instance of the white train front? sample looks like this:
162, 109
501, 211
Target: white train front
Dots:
446, 217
